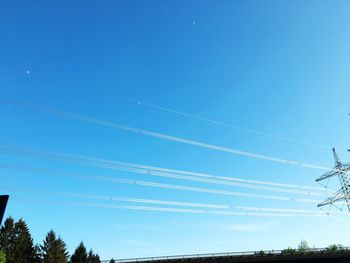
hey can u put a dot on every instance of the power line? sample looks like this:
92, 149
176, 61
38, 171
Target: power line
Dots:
74, 116
117, 198
220, 123
280, 210
167, 209
160, 202
342, 195
157, 171
160, 185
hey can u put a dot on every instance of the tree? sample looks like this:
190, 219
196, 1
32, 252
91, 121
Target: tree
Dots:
37, 251
7, 239
112, 261
79, 255
54, 249
288, 250
24, 249
93, 258
2, 257
17, 243
335, 248
303, 246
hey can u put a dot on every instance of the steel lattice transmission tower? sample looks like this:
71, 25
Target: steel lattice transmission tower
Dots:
340, 170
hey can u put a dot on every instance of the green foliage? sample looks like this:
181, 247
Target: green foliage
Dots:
335, 248
260, 253
24, 248
54, 249
37, 251
2, 257
17, 243
7, 239
303, 246
93, 258
288, 250
79, 255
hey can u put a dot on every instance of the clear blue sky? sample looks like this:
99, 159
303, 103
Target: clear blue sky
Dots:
280, 67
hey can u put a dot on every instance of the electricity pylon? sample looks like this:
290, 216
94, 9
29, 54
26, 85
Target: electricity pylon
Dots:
343, 194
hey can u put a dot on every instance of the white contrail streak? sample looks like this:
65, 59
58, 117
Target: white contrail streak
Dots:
220, 123
163, 172
163, 185
74, 116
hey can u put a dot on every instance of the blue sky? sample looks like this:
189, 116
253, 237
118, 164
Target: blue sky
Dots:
279, 67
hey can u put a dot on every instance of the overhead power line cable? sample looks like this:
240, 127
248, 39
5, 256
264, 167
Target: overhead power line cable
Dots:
220, 123
166, 209
160, 185
210, 181
161, 202
279, 210
117, 198
74, 116
156, 171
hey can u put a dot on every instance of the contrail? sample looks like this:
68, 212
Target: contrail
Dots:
163, 172
220, 123
74, 116
161, 185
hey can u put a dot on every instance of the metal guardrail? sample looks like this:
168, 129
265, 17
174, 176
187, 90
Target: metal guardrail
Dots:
228, 254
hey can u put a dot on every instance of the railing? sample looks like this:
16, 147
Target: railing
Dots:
229, 254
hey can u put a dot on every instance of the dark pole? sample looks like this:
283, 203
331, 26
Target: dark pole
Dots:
3, 203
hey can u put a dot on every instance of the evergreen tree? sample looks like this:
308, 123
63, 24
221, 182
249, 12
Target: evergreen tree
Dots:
17, 243
7, 239
24, 249
112, 261
54, 249
93, 258
80, 254
37, 251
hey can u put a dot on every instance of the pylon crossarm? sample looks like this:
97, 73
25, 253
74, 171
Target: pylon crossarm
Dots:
327, 175
337, 197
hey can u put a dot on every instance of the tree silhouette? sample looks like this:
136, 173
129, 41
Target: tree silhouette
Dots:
7, 239
54, 249
93, 258
112, 261
24, 249
17, 243
79, 255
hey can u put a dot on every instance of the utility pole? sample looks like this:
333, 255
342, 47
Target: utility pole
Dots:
340, 170
3, 203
